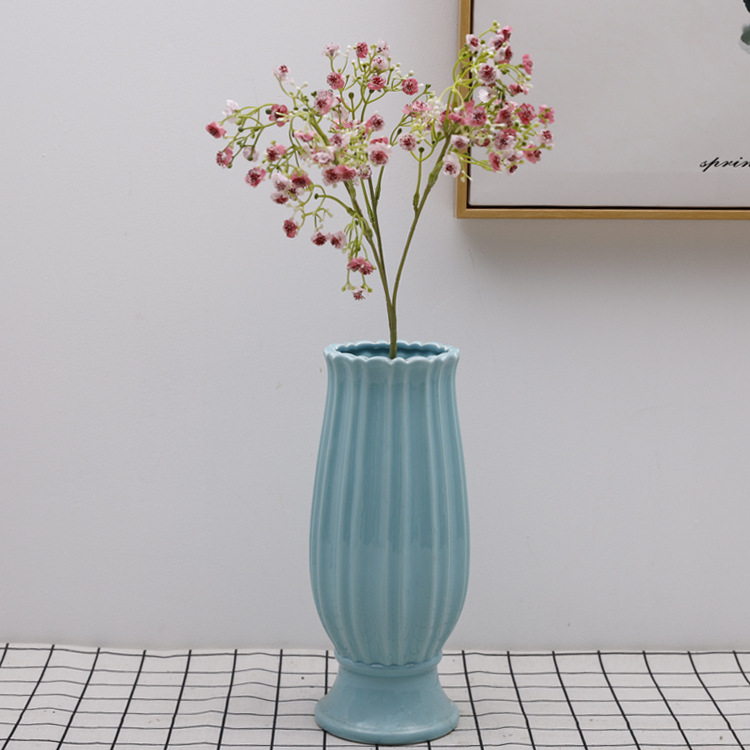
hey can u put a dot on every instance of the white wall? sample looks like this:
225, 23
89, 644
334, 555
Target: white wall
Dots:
163, 384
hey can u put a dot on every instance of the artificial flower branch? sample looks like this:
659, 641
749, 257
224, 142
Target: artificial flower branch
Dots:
476, 121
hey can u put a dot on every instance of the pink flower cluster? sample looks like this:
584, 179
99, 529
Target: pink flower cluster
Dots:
338, 142
492, 120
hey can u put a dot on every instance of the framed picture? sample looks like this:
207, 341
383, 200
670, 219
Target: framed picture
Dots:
652, 109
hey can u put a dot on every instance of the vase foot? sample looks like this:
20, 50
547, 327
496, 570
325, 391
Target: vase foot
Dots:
387, 705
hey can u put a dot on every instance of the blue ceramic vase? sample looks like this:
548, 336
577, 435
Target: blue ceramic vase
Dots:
389, 539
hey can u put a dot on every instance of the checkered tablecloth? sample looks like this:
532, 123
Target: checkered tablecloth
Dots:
64, 697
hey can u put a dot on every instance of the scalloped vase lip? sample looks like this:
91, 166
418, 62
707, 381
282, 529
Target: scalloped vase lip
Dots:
407, 351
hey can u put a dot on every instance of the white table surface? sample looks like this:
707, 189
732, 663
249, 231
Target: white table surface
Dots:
72, 697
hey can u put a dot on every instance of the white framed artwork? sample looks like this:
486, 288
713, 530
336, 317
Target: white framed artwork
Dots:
652, 109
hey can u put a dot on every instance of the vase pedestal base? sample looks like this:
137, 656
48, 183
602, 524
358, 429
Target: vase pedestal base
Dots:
387, 705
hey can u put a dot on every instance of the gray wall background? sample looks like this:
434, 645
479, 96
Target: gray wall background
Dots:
163, 380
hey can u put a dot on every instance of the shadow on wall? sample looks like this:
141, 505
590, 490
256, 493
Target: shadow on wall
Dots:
745, 37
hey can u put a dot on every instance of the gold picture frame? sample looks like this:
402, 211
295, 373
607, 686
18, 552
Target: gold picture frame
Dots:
469, 206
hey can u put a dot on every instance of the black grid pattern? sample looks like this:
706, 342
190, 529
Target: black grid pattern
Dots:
60, 697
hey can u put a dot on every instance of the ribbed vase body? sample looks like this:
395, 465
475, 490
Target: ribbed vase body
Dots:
389, 542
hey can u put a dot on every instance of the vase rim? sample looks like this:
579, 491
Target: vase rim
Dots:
378, 350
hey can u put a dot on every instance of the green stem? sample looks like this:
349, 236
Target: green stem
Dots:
418, 208
373, 240
372, 205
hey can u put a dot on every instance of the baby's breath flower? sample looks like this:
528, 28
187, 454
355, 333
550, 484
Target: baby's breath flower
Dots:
331, 50
323, 148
